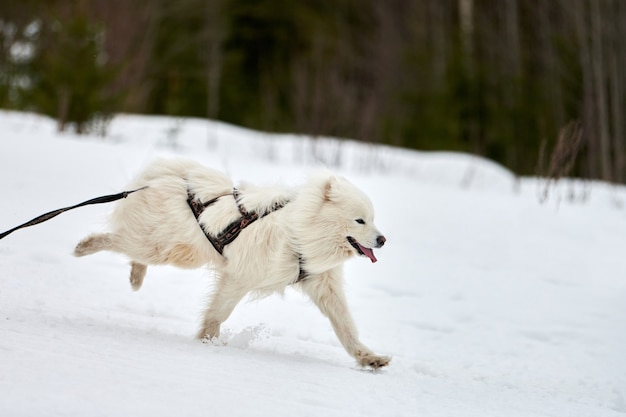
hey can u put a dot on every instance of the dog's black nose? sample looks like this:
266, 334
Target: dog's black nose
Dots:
381, 240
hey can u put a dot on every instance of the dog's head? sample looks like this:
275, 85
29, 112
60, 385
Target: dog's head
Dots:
352, 214
333, 220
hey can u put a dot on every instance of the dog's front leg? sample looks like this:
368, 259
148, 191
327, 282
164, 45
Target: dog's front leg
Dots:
326, 291
225, 297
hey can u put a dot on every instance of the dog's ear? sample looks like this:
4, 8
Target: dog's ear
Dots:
328, 188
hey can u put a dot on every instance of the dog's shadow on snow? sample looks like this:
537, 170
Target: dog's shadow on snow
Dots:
255, 341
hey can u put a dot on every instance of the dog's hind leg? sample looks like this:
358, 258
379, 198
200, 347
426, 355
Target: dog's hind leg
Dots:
137, 273
107, 241
95, 243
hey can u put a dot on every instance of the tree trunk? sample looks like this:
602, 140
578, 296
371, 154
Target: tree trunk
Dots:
600, 89
215, 39
587, 108
617, 89
466, 17
64, 98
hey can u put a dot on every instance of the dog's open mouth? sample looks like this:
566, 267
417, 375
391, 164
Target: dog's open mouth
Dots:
362, 250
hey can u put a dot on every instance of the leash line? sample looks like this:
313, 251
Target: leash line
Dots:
54, 213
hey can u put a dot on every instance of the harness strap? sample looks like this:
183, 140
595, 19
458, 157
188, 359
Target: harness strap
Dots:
302, 274
230, 233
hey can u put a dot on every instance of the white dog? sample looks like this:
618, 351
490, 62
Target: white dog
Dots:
258, 239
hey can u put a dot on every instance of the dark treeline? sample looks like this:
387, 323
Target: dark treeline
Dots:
500, 78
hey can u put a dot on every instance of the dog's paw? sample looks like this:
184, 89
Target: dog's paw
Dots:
373, 361
214, 341
210, 329
209, 337
137, 274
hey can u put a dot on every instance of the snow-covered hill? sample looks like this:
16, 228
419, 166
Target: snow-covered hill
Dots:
490, 303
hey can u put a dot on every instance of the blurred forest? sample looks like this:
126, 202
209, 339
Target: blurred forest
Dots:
538, 85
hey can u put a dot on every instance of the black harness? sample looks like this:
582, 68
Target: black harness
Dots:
230, 233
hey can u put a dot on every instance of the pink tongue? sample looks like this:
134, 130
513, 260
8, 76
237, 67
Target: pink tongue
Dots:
368, 252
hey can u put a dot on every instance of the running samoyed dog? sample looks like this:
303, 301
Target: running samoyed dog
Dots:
257, 239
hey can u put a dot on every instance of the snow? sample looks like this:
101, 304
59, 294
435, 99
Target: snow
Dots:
490, 303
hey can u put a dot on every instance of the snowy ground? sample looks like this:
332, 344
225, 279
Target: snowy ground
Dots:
490, 303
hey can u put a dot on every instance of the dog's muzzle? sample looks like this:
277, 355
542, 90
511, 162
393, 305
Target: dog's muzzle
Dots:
365, 251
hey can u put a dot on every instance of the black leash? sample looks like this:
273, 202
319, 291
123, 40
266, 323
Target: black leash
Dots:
48, 216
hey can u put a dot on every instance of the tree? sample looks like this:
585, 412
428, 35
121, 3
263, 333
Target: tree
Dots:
58, 89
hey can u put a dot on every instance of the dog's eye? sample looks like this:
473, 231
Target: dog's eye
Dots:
360, 221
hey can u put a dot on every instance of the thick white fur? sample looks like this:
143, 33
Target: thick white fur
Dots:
156, 226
